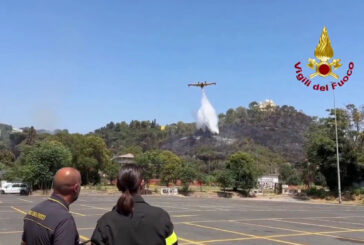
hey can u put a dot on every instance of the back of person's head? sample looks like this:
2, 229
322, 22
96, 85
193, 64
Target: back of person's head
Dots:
67, 183
129, 182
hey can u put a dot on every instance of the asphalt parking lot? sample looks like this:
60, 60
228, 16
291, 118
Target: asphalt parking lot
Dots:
213, 220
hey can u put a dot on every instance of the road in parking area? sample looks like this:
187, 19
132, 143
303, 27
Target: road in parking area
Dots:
213, 220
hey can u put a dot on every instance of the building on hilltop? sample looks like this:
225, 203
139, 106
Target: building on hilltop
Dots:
16, 130
267, 105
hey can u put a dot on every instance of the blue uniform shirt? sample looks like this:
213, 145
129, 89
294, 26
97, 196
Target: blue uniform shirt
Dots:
50, 223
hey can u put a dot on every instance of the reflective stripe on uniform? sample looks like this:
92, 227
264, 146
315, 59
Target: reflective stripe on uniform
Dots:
172, 239
44, 226
54, 200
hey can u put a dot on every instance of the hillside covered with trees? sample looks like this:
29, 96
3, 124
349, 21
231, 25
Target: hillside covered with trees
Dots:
252, 141
272, 135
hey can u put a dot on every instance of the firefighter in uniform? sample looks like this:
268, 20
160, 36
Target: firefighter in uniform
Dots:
133, 221
49, 222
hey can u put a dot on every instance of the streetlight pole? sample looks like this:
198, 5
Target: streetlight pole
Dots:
337, 153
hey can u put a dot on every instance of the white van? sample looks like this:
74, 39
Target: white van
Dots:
15, 188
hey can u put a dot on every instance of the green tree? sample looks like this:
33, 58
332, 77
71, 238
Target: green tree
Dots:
111, 170
160, 164
171, 166
94, 155
230, 116
311, 173
288, 175
208, 179
253, 105
321, 150
41, 162
150, 163
356, 117
32, 133
135, 150
210, 157
89, 154
225, 178
187, 175
244, 170
7, 157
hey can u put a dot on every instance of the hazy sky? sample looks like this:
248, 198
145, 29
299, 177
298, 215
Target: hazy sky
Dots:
81, 64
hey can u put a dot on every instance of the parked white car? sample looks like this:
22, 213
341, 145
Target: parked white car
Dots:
15, 188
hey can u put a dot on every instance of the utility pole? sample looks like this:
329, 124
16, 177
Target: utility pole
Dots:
337, 153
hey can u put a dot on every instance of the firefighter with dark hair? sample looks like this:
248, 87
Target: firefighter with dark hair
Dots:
133, 221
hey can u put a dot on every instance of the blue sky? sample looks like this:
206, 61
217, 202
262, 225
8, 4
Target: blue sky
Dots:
81, 64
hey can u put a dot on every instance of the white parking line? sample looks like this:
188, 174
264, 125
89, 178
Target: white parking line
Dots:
184, 215
77, 213
24, 200
93, 207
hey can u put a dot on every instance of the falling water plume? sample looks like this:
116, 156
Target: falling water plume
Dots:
206, 115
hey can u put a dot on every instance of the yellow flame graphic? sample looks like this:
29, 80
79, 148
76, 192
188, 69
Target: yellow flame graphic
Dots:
324, 51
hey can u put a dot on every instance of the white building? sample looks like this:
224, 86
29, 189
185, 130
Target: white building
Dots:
16, 130
268, 182
124, 159
267, 105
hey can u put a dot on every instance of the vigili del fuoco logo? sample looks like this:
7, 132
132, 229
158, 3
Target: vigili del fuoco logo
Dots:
324, 67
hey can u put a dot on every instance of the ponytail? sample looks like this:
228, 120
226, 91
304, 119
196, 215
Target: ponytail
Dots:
125, 203
129, 181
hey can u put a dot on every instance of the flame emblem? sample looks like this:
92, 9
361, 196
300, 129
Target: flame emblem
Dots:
324, 53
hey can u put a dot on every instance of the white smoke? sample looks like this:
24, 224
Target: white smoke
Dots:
206, 115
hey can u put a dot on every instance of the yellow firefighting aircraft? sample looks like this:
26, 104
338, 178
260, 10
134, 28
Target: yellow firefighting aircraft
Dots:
201, 84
